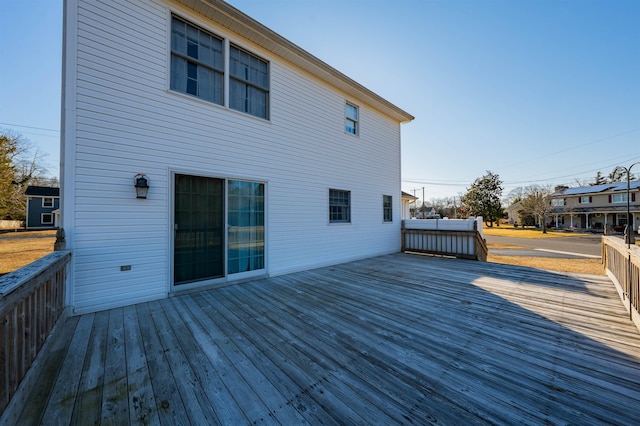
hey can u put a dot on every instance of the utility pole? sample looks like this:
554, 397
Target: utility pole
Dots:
455, 208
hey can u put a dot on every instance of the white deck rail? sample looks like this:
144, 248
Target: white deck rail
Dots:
447, 237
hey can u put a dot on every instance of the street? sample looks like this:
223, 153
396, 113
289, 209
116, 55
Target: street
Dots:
582, 246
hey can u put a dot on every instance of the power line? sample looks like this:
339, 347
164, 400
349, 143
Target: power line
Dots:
553, 178
31, 127
575, 147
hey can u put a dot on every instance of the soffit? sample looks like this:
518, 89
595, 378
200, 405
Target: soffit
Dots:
231, 18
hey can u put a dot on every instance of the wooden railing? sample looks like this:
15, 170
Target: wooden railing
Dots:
464, 244
31, 302
622, 265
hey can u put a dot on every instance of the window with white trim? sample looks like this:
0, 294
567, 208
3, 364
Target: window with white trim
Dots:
47, 202
351, 118
46, 218
198, 69
619, 198
387, 208
197, 62
557, 202
339, 206
248, 83
585, 200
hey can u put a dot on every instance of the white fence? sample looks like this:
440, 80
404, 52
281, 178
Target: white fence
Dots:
449, 237
11, 224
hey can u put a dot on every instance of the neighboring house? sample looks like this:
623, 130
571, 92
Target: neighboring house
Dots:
259, 158
42, 205
597, 207
513, 212
407, 199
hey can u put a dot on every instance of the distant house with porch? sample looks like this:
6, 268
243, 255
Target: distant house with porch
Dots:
43, 205
596, 207
257, 158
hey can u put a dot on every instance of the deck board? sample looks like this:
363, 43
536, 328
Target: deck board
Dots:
397, 339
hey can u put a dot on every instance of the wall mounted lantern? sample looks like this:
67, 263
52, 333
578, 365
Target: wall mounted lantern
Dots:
141, 182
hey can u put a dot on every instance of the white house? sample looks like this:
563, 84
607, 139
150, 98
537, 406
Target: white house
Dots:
260, 159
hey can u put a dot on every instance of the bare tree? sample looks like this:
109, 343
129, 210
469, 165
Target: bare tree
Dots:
537, 202
20, 163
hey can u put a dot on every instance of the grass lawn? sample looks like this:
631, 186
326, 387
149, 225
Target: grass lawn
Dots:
510, 231
18, 249
580, 266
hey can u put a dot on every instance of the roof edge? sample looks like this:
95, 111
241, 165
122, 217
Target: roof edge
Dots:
234, 20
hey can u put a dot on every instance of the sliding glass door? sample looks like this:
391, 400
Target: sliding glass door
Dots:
246, 226
201, 239
199, 229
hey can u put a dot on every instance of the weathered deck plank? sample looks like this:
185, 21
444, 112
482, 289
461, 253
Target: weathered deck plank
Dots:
395, 339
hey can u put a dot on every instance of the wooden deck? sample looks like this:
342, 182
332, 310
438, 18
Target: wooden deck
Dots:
398, 339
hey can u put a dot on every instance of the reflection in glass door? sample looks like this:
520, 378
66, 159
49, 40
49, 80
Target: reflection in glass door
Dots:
246, 226
199, 229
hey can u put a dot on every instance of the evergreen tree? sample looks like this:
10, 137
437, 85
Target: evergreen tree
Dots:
483, 198
599, 180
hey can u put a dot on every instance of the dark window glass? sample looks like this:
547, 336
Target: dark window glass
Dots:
339, 206
197, 64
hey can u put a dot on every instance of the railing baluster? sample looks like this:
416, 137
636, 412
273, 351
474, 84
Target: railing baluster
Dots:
623, 267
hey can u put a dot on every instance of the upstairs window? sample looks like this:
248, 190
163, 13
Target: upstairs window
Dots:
584, 200
619, 198
47, 202
197, 62
387, 208
248, 83
557, 202
351, 118
339, 206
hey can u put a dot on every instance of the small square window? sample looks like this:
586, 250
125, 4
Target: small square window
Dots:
47, 202
351, 119
387, 208
339, 206
47, 219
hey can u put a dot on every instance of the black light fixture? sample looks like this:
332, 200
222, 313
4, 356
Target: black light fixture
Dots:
141, 182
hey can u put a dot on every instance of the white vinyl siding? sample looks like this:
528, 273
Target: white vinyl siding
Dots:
125, 122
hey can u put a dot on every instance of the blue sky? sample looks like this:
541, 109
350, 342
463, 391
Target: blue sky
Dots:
544, 91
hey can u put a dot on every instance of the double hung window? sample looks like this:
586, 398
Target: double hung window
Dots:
47, 202
197, 63
339, 206
387, 208
351, 119
198, 60
249, 83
